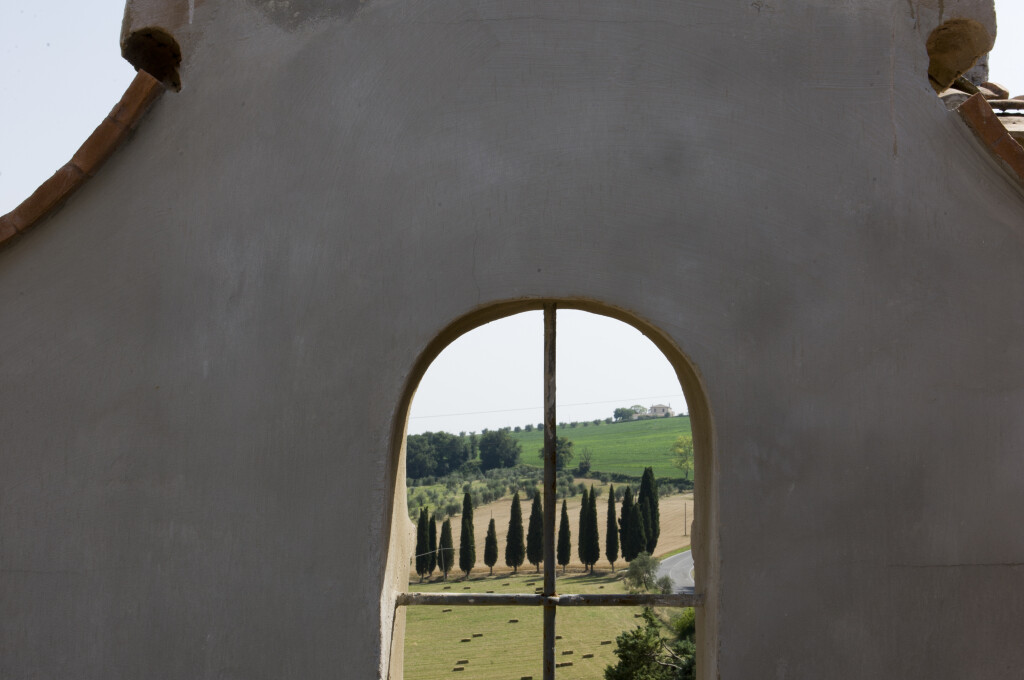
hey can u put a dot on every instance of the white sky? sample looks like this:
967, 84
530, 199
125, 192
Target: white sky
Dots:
61, 72
492, 376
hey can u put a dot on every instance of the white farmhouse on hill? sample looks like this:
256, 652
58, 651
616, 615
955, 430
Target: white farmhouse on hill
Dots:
660, 411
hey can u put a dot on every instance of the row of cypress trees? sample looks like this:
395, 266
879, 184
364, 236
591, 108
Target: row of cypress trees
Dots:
636, 530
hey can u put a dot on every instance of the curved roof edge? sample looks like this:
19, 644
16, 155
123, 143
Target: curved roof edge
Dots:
980, 117
105, 139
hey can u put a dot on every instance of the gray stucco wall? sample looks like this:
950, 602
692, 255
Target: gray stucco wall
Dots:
202, 356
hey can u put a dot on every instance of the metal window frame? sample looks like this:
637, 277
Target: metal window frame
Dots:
549, 599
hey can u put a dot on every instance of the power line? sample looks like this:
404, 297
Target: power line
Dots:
537, 408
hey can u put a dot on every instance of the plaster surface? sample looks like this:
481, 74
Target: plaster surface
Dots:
204, 355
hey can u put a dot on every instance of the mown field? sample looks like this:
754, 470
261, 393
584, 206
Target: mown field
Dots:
624, 448
490, 647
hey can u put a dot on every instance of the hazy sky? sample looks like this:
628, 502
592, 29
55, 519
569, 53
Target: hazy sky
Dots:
491, 377
61, 74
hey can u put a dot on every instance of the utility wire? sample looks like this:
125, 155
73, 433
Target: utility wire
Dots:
536, 408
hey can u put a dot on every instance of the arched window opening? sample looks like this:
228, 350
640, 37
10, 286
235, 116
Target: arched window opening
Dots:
487, 601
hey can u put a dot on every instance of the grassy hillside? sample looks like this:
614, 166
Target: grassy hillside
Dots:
625, 448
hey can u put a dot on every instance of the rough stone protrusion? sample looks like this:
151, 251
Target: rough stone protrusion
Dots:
953, 98
1000, 91
953, 48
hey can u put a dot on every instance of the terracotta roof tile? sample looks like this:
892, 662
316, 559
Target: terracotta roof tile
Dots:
104, 140
980, 117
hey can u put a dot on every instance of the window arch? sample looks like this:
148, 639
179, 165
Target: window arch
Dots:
703, 541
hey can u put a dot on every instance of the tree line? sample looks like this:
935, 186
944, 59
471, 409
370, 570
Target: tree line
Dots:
632, 528
438, 454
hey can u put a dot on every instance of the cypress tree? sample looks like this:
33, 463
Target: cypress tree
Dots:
564, 538
432, 545
515, 549
625, 526
583, 529
611, 532
535, 534
491, 547
422, 541
446, 551
592, 551
647, 499
637, 531
467, 542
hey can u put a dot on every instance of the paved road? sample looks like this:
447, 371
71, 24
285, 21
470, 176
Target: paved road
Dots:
678, 568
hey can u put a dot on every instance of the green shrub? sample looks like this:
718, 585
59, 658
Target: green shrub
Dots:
685, 625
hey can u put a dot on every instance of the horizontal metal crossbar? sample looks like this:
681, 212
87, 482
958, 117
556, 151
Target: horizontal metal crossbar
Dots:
684, 599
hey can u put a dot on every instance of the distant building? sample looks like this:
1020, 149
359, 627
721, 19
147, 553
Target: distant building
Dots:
656, 411
660, 411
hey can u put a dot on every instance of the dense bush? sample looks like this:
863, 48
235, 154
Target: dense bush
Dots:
685, 625
645, 655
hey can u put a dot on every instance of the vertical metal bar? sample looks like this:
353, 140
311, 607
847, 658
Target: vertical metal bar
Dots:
549, 489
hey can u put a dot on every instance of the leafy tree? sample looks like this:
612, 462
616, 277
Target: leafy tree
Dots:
535, 534
491, 547
564, 551
641, 572
583, 467
623, 414
682, 450
474, 445
563, 452
499, 449
515, 549
467, 542
432, 545
452, 451
611, 532
645, 655
592, 545
647, 499
446, 551
422, 540
582, 528
420, 460
435, 453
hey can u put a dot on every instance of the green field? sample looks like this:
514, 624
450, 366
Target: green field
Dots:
504, 650
624, 448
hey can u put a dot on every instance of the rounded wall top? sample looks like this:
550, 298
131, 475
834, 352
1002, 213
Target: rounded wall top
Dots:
932, 13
